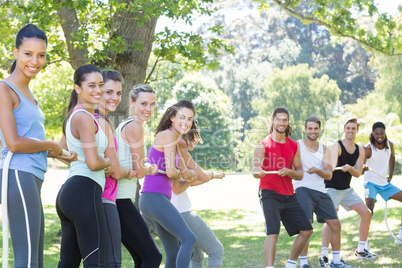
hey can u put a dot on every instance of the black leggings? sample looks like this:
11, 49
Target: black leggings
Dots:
83, 224
136, 236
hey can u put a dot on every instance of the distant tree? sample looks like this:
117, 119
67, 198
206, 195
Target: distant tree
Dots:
52, 90
389, 82
297, 89
220, 129
272, 36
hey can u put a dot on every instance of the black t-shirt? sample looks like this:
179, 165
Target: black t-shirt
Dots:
341, 180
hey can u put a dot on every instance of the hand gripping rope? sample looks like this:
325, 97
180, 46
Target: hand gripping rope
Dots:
385, 209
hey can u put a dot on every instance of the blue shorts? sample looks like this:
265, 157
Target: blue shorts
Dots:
371, 190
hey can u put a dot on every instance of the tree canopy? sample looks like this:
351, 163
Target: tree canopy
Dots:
380, 32
117, 34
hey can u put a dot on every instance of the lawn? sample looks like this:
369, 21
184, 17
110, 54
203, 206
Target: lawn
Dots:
232, 210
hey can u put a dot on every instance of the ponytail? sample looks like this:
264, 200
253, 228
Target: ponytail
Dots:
12, 68
71, 105
79, 77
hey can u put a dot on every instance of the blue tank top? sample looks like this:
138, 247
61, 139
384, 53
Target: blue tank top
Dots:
30, 121
81, 169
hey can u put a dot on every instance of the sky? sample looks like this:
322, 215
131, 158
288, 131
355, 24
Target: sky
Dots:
389, 6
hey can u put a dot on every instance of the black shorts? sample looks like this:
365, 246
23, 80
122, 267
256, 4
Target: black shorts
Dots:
319, 203
285, 208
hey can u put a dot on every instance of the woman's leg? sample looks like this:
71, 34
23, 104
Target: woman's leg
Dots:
136, 236
169, 225
113, 242
80, 208
25, 214
206, 240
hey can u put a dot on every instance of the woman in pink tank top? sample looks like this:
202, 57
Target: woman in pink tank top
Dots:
110, 100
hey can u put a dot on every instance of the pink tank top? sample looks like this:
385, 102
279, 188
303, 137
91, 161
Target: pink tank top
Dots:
110, 190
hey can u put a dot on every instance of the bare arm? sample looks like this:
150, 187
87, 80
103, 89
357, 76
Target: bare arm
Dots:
357, 170
15, 143
63, 158
180, 186
133, 134
367, 155
259, 155
82, 128
119, 172
391, 162
297, 172
203, 175
335, 153
326, 171
166, 141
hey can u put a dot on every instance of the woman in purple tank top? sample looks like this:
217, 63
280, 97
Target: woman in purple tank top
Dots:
177, 123
111, 98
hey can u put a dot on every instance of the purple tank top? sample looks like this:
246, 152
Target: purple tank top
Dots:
158, 183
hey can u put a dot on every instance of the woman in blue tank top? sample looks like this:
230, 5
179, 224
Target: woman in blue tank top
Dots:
22, 133
79, 202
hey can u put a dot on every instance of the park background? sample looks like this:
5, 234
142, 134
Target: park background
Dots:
236, 60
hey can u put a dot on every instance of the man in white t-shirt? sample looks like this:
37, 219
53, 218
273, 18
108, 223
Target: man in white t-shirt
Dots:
380, 159
311, 193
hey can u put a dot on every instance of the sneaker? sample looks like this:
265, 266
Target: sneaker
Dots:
305, 266
323, 262
365, 255
398, 240
341, 264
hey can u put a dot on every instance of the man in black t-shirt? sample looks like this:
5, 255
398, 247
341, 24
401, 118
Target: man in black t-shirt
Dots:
348, 155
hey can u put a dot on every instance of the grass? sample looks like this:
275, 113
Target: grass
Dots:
231, 208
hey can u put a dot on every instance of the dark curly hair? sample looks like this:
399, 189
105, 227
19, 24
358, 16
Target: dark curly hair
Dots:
190, 137
280, 110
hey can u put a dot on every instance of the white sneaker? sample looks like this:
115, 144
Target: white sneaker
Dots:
398, 240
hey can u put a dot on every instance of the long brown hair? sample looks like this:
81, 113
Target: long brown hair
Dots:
190, 137
79, 77
117, 77
280, 110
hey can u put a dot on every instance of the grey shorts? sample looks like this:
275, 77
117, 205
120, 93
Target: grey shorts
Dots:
316, 202
345, 198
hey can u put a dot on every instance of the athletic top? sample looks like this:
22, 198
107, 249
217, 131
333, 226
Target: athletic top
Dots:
158, 183
127, 188
30, 120
110, 190
309, 160
278, 156
379, 162
73, 144
341, 180
181, 201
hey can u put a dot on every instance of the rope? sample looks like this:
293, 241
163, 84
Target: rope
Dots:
4, 206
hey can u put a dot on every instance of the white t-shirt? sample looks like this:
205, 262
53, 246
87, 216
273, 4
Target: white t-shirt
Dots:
309, 160
379, 162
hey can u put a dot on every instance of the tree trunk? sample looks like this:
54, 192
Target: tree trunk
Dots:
70, 25
132, 64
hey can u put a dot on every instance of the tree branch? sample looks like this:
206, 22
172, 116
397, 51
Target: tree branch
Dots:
306, 19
